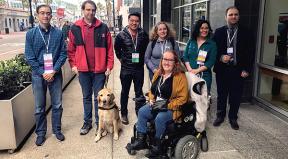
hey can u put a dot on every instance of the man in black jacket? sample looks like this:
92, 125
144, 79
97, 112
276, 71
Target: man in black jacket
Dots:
233, 64
130, 45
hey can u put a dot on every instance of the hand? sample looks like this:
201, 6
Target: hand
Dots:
108, 72
244, 74
194, 71
226, 58
75, 70
151, 102
49, 76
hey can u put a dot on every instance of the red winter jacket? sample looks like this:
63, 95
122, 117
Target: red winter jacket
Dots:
104, 55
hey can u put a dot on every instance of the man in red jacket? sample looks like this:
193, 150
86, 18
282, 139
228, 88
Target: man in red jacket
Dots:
90, 52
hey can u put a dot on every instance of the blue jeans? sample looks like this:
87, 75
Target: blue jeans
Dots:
91, 82
161, 120
39, 86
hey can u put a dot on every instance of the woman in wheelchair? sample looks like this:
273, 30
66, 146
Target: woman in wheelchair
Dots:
169, 86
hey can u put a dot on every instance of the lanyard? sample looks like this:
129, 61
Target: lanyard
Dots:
160, 84
46, 45
134, 43
231, 39
163, 46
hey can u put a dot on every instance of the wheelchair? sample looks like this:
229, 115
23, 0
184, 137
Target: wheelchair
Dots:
180, 140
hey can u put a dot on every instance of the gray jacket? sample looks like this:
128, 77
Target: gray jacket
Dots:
153, 57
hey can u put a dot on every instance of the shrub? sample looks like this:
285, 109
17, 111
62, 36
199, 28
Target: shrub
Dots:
15, 75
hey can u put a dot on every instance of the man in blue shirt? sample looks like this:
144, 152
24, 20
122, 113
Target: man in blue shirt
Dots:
45, 52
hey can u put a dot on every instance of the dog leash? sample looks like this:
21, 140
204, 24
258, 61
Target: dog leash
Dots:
106, 81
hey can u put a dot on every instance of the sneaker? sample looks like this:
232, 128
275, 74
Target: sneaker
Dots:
85, 129
40, 140
218, 121
124, 120
60, 136
234, 124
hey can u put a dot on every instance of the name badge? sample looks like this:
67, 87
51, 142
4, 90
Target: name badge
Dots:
135, 57
230, 51
201, 57
48, 63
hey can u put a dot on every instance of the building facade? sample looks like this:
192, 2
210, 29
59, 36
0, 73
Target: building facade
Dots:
13, 17
268, 22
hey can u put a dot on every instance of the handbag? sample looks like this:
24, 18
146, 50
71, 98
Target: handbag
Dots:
160, 105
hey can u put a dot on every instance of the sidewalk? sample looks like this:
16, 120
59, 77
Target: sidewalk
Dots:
261, 134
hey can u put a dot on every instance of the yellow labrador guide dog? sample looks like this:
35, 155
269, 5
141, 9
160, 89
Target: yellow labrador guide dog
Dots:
109, 120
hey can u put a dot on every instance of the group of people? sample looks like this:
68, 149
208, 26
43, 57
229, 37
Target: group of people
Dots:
91, 57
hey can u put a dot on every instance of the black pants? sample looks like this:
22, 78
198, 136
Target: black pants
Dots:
229, 85
126, 77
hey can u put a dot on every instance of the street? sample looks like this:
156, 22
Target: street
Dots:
11, 45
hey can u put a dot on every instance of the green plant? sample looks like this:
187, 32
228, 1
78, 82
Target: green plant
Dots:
15, 75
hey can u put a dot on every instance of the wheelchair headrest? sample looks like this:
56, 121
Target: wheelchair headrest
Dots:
197, 87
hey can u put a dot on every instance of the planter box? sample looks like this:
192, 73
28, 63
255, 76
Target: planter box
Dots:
17, 114
16, 118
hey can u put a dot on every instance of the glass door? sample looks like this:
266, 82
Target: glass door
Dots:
272, 63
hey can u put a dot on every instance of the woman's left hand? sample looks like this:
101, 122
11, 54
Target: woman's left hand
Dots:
194, 71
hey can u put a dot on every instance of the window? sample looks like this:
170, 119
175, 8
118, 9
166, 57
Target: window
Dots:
189, 12
153, 12
10, 24
186, 24
6, 23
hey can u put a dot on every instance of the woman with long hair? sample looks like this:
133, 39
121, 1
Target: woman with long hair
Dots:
169, 83
200, 52
162, 38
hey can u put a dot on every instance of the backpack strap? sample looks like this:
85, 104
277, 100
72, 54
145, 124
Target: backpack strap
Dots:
169, 39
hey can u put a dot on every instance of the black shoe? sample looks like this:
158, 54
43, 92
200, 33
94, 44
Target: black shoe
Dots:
139, 143
85, 129
40, 140
234, 124
124, 120
218, 121
60, 136
156, 150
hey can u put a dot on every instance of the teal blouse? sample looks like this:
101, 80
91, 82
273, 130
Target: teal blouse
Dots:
191, 53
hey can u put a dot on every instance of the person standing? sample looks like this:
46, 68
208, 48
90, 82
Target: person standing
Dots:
130, 46
200, 52
45, 52
233, 64
162, 38
65, 30
91, 56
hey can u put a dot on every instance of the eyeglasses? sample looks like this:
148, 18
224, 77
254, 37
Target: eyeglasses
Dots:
45, 13
168, 60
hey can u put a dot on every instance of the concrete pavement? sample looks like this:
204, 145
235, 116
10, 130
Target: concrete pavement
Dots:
261, 134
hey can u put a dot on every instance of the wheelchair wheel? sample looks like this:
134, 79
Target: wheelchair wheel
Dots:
204, 143
187, 147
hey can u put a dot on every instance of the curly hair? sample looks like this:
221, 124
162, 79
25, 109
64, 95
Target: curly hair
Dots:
197, 27
177, 66
171, 33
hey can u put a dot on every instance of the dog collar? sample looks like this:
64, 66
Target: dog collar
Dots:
115, 106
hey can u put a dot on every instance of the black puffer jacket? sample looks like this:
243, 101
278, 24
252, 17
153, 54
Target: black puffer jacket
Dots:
124, 48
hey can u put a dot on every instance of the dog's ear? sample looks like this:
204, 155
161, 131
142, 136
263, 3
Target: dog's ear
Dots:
112, 98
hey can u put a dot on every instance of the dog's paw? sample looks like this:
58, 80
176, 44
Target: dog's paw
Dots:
97, 138
116, 137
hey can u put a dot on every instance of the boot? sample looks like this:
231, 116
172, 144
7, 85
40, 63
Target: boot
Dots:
156, 150
140, 142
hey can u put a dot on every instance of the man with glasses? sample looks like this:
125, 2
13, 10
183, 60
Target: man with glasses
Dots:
91, 56
130, 46
233, 64
45, 52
